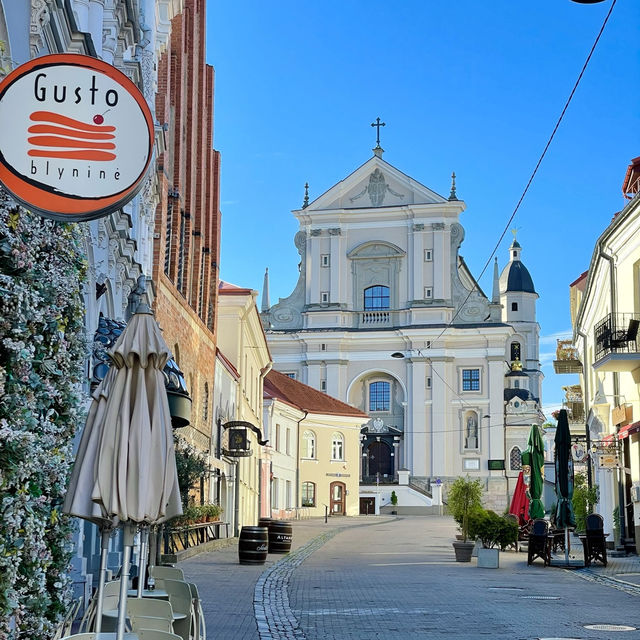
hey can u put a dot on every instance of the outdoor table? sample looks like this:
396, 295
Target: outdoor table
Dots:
106, 635
113, 613
159, 594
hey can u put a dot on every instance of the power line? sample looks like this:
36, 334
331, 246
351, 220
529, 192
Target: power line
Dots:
526, 189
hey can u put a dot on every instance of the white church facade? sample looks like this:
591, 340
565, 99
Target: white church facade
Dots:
386, 316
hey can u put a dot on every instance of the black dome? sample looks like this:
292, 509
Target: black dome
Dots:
519, 278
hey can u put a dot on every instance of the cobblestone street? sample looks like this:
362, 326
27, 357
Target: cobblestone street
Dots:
361, 578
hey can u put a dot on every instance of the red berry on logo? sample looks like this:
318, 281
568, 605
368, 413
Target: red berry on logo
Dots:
98, 119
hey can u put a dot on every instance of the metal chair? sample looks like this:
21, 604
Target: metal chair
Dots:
153, 634
147, 613
182, 602
200, 628
539, 542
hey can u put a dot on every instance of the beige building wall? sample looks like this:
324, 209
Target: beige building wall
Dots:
326, 467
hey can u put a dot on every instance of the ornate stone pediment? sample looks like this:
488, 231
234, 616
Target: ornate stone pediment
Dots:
376, 249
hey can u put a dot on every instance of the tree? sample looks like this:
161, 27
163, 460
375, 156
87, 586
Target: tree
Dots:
465, 496
584, 500
191, 467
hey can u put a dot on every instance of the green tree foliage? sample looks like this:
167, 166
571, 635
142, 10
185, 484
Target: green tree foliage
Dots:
465, 497
584, 500
493, 530
42, 351
191, 467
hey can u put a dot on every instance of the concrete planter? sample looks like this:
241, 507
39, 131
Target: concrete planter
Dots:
463, 551
489, 558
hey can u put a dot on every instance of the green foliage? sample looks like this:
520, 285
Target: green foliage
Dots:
616, 523
394, 498
492, 530
584, 500
198, 513
465, 497
191, 467
42, 352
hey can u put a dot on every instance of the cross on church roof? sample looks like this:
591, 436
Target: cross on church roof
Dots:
377, 124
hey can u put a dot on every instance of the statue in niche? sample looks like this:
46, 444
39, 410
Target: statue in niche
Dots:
471, 439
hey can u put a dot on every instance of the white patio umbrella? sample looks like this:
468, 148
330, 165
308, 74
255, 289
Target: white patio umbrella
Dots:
125, 471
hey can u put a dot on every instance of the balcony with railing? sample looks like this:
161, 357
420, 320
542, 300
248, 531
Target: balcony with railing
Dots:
567, 358
616, 342
574, 404
377, 318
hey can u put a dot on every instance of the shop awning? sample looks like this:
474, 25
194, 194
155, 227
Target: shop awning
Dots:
629, 429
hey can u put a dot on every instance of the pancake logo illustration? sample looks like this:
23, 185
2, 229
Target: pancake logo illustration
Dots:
76, 137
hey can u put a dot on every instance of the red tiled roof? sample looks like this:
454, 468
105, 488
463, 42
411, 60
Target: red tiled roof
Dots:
228, 365
631, 184
580, 277
277, 385
232, 289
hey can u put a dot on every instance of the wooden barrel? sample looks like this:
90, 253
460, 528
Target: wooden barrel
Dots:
265, 522
280, 536
253, 545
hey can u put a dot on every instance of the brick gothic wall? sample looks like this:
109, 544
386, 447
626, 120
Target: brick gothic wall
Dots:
187, 228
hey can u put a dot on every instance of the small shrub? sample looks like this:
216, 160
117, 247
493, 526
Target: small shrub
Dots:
394, 498
584, 500
493, 530
465, 497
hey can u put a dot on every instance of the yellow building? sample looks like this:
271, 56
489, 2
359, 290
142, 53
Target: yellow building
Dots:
242, 341
328, 441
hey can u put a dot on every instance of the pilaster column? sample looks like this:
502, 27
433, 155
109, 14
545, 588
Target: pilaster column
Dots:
420, 444
441, 262
440, 416
417, 273
336, 266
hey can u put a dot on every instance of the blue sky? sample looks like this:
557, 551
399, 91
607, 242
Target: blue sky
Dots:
462, 88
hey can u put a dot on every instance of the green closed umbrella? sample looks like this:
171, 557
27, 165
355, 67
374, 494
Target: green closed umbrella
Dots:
533, 456
565, 518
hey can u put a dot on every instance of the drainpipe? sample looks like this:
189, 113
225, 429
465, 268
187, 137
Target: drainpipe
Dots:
263, 373
616, 388
298, 501
585, 378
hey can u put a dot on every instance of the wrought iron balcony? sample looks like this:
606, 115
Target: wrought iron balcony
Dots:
574, 404
567, 358
616, 342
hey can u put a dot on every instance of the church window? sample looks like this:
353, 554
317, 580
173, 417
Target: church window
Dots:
514, 306
428, 292
515, 459
324, 260
471, 430
515, 351
428, 255
429, 382
376, 298
323, 385
471, 379
309, 445
290, 374
337, 446
516, 385
379, 394
308, 494
323, 346
324, 296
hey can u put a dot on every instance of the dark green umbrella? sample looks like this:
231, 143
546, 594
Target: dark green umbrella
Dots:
533, 456
565, 517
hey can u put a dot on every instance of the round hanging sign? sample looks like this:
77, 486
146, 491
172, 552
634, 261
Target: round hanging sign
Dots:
76, 137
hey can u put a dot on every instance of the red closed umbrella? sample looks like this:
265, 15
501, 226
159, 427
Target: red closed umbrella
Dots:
519, 502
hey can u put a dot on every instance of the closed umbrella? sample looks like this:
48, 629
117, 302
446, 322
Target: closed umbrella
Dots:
533, 457
565, 517
125, 471
519, 502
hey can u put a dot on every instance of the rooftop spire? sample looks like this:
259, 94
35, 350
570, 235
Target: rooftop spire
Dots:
378, 150
265, 292
452, 195
495, 297
305, 202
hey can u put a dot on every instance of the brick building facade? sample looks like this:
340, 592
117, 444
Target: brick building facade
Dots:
187, 224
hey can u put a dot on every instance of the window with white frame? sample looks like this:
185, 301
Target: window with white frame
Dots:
287, 442
288, 494
379, 396
324, 296
337, 446
376, 298
428, 255
308, 494
325, 261
309, 445
428, 293
471, 379
275, 504
323, 385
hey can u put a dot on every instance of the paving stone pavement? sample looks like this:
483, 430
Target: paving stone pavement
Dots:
396, 578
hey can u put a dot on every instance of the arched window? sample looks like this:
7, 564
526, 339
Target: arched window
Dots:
205, 403
308, 494
337, 446
379, 394
471, 430
376, 297
308, 444
515, 351
515, 459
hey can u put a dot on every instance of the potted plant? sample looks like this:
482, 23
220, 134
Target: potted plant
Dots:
394, 502
465, 497
212, 512
494, 532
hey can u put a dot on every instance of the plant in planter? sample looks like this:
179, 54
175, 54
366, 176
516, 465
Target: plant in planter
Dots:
494, 532
211, 511
394, 502
465, 497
